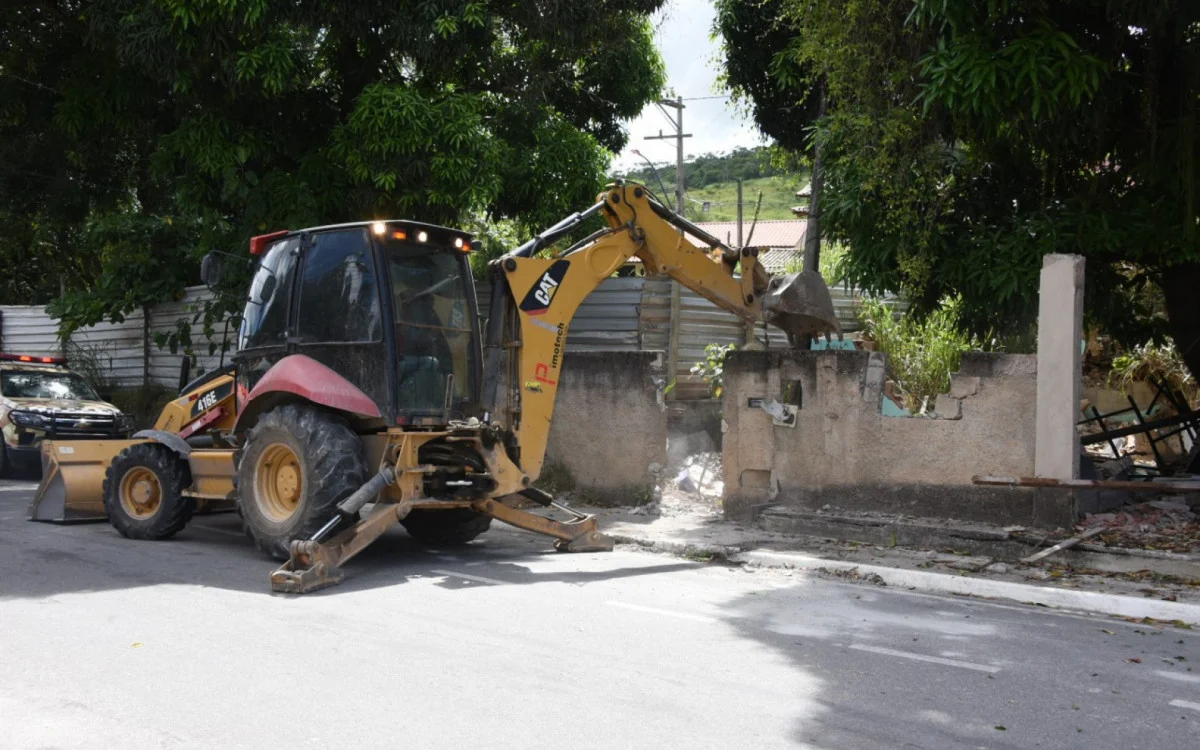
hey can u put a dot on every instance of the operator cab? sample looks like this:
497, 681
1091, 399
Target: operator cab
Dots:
387, 305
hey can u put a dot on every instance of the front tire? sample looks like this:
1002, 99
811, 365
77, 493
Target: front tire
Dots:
5, 469
143, 493
298, 463
452, 526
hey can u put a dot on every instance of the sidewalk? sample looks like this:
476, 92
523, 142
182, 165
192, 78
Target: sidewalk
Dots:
1153, 585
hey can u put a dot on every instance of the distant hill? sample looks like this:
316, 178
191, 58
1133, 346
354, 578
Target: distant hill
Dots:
713, 179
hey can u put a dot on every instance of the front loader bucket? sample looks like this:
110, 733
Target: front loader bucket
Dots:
800, 305
72, 487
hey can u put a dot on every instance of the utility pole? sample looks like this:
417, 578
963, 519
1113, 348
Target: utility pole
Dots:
812, 233
678, 136
739, 244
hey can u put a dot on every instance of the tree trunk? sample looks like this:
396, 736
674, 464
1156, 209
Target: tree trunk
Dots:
1180, 285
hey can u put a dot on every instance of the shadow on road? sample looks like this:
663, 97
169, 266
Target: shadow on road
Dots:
42, 560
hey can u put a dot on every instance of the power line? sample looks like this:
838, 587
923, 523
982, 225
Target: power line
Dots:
25, 80
702, 98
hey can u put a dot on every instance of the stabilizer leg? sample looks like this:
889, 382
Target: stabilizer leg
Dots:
578, 535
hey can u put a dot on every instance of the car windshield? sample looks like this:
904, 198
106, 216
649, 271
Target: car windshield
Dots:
45, 385
433, 326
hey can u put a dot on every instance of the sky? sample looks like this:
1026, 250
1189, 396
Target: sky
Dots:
682, 30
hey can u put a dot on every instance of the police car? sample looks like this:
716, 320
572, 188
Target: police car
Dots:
41, 398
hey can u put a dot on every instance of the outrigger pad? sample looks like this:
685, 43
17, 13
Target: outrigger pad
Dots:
591, 541
302, 573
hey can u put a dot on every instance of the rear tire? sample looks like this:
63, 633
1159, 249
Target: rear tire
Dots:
452, 526
143, 492
298, 463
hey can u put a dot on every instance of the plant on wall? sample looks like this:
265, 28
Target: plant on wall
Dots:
712, 369
922, 352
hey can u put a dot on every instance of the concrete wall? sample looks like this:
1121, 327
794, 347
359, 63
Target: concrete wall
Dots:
610, 425
844, 453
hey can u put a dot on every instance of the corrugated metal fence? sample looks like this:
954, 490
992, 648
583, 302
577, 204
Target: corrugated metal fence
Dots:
634, 313
623, 314
126, 352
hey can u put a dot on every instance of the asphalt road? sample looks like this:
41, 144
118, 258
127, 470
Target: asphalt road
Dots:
109, 643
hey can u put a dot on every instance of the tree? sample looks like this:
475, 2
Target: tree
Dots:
965, 140
137, 135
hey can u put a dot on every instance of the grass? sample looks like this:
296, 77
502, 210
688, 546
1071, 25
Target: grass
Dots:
779, 195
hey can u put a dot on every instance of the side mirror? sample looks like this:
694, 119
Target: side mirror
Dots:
210, 270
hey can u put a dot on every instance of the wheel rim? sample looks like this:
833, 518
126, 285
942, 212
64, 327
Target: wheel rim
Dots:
278, 483
141, 492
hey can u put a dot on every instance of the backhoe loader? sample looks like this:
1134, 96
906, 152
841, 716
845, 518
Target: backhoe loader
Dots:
364, 393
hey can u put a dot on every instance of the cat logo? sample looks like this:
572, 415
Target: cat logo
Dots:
538, 300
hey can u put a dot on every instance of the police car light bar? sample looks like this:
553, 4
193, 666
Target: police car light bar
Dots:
35, 358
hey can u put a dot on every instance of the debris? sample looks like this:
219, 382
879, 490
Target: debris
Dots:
1165, 525
852, 574
684, 482
1134, 660
997, 568
1063, 545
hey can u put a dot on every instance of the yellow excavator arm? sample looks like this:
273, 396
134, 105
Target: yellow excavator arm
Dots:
547, 292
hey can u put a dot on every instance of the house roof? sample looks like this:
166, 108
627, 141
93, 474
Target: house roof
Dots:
772, 233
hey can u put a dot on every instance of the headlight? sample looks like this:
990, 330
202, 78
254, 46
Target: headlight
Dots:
30, 419
126, 423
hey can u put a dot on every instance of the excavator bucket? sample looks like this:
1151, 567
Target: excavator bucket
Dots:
800, 305
72, 487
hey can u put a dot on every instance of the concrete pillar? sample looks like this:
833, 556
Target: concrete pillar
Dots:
1060, 329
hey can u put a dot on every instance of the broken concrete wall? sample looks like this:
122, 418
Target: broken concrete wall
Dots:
844, 453
608, 437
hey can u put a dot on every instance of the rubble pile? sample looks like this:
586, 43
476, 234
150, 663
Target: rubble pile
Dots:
701, 474
1167, 525
696, 488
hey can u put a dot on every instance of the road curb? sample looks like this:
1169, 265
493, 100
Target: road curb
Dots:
920, 580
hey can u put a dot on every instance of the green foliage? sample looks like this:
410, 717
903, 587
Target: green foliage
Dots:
1156, 362
922, 352
137, 136
963, 141
712, 369
832, 266
778, 191
708, 169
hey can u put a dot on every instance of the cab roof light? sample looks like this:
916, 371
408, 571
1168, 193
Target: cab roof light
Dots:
422, 236
400, 234
259, 243
33, 358
379, 228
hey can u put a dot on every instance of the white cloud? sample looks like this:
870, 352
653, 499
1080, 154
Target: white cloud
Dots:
683, 29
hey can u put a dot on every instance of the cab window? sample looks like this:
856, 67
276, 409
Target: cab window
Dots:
264, 322
339, 296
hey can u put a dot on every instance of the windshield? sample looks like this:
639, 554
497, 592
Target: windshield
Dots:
433, 326
45, 385
264, 322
